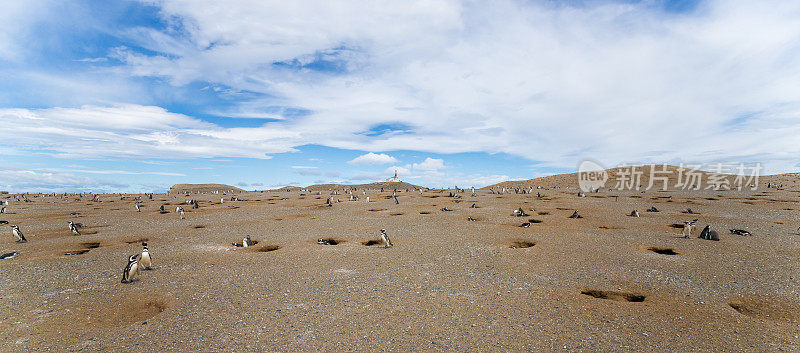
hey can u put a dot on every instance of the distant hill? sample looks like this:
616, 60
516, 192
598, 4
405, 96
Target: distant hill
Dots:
571, 180
202, 188
384, 184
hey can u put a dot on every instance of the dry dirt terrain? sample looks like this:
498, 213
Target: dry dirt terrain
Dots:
605, 282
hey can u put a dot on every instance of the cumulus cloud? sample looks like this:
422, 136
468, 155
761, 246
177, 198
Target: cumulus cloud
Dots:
373, 159
430, 164
401, 171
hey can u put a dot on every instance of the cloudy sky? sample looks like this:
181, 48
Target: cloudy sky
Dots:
138, 95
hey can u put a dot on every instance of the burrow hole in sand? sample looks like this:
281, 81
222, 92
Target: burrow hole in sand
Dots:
372, 242
137, 240
86, 247
662, 251
532, 221
521, 244
424, 212
614, 295
268, 248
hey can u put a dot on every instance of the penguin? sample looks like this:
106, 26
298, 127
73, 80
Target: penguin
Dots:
246, 241
634, 213
709, 234
688, 226
395, 201
180, 209
575, 215
161, 208
18, 233
652, 209
147, 261
741, 232
386, 242
9, 255
131, 270
73, 228
471, 219
137, 207
3, 210
525, 225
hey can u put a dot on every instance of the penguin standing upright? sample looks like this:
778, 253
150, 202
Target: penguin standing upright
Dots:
147, 261
73, 228
386, 242
137, 208
247, 241
3, 210
131, 270
18, 233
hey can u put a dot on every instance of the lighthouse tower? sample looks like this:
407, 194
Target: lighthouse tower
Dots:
394, 179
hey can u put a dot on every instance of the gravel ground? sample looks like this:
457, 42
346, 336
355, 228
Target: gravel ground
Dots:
448, 284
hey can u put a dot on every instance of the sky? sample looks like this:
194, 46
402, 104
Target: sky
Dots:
134, 96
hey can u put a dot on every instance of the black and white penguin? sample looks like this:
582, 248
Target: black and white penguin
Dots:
247, 241
73, 228
3, 210
634, 213
9, 255
18, 233
652, 209
137, 207
131, 270
709, 234
147, 261
386, 242
741, 232
575, 215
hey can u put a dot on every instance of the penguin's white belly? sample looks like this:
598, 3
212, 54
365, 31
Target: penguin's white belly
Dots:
146, 260
133, 272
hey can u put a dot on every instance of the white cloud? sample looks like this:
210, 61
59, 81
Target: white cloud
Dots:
552, 83
401, 171
430, 164
134, 131
373, 159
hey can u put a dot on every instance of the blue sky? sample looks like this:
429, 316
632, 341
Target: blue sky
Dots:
139, 95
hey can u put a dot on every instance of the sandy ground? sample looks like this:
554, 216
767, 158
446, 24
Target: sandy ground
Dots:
448, 284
